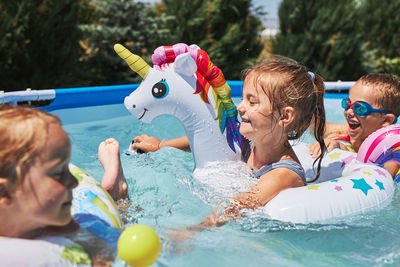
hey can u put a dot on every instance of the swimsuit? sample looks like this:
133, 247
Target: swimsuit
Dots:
288, 164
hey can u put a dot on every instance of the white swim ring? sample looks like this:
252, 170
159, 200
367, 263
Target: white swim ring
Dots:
346, 187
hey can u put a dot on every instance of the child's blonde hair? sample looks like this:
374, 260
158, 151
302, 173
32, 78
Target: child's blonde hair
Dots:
388, 87
287, 83
23, 133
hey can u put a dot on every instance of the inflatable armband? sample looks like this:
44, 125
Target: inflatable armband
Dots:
381, 146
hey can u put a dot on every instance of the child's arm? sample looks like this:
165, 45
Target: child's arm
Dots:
268, 186
393, 167
331, 130
152, 144
315, 149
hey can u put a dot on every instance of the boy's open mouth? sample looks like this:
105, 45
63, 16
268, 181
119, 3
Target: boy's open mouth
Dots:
245, 120
353, 125
67, 203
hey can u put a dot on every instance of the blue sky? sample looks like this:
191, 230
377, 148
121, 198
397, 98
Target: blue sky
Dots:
270, 6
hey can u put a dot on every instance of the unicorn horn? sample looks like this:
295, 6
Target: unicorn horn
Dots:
135, 62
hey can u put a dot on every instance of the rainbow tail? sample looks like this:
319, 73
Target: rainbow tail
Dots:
227, 117
227, 114
232, 132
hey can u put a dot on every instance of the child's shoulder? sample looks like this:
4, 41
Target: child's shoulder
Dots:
286, 167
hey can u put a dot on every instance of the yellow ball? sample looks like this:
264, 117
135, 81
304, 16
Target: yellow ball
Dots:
139, 245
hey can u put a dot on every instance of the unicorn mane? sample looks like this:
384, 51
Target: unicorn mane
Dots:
207, 75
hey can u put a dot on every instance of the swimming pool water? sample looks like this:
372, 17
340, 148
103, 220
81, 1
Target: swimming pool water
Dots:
165, 196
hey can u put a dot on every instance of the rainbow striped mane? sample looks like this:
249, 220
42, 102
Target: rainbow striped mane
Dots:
207, 74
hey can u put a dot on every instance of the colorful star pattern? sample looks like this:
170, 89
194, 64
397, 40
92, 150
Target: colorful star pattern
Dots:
362, 185
338, 188
380, 172
380, 185
347, 160
335, 155
313, 187
334, 181
367, 173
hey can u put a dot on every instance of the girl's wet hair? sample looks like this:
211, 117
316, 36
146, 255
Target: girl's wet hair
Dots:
288, 83
23, 133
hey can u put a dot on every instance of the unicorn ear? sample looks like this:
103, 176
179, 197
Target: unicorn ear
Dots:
194, 46
185, 65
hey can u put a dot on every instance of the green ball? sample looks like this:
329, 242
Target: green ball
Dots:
139, 245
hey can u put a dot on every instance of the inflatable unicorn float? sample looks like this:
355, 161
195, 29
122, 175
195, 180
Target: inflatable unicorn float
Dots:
179, 85
185, 83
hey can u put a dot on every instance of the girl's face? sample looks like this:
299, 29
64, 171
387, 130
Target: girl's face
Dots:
255, 111
44, 198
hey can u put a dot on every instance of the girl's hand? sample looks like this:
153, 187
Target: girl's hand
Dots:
212, 220
145, 143
179, 235
315, 149
151, 144
215, 219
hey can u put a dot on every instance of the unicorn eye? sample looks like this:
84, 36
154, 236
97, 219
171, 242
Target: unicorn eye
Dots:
160, 89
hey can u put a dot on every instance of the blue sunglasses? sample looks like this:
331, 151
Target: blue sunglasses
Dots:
362, 108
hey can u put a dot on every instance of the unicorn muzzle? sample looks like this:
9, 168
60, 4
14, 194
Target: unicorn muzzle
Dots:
138, 112
130, 105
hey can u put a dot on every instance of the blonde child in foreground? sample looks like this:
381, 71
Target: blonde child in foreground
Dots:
373, 103
280, 98
36, 184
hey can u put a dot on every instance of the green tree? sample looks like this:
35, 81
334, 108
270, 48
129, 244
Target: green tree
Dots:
379, 23
106, 22
39, 44
322, 35
226, 29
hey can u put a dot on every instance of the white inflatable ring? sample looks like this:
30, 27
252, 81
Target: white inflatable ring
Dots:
346, 187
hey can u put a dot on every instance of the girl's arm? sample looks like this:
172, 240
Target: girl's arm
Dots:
269, 185
152, 144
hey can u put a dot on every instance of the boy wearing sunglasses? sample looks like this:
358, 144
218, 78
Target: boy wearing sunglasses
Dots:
373, 103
